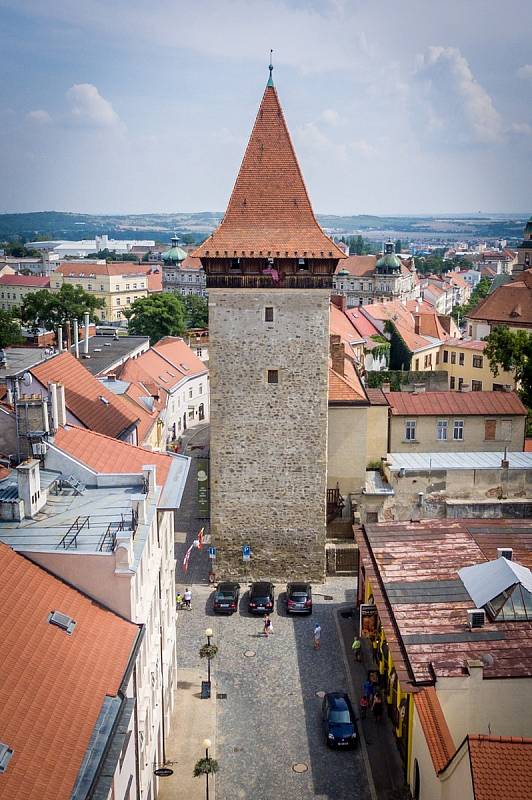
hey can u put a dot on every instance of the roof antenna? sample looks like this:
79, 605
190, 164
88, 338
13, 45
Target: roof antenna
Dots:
270, 79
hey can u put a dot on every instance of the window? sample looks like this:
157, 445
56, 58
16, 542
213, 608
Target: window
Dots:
134, 285
101, 287
417, 364
89, 287
453, 358
426, 363
477, 361
498, 387
490, 428
200, 389
190, 394
476, 386
128, 300
268, 314
441, 430
273, 376
460, 383
127, 287
117, 288
458, 430
410, 430
199, 352
461, 359
118, 301
437, 358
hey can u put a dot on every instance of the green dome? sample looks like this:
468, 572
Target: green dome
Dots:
175, 254
389, 261
528, 228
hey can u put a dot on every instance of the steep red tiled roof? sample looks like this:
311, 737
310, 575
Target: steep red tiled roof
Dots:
501, 767
107, 455
155, 280
358, 266
269, 213
467, 344
510, 303
362, 324
37, 281
53, 685
191, 262
341, 325
456, 403
83, 393
346, 388
435, 728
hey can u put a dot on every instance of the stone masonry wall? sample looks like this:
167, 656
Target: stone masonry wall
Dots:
269, 441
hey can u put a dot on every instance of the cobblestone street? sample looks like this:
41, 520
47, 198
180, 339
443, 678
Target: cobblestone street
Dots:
269, 720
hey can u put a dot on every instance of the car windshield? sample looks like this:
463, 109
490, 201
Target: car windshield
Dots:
299, 595
339, 717
224, 593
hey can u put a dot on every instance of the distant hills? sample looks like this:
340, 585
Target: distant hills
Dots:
195, 227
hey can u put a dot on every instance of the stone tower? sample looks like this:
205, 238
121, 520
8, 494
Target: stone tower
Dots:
269, 270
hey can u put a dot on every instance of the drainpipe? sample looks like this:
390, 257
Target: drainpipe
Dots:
60, 338
86, 332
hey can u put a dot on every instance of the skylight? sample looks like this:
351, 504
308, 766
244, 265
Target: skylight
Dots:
62, 621
502, 587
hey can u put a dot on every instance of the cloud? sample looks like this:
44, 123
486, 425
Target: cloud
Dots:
525, 72
457, 107
330, 116
39, 116
520, 128
89, 108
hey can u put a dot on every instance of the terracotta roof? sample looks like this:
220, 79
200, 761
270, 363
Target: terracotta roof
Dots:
346, 388
376, 397
455, 403
37, 281
165, 364
53, 685
107, 455
501, 767
358, 266
413, 569
191, 262
269, 212
457, 279
510, 303
437, 734
155, 280
528, 445
83, 392
362, 324
112, 268
341, 325
466, 344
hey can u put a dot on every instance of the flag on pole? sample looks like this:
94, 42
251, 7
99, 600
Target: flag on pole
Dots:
187, 558
200, 538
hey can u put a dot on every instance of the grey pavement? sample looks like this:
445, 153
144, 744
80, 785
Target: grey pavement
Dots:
267, 711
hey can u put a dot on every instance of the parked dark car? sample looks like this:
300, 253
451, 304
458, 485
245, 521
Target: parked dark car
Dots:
339, 720
299, 598
261, 597
226, 597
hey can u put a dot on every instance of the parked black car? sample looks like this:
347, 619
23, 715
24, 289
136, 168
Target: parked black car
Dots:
298, 598
226, 597
261, 597
339, 720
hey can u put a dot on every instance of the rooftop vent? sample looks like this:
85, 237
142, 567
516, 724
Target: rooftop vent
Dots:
62, 621
476, 617
5, 756
505, 552
104, 400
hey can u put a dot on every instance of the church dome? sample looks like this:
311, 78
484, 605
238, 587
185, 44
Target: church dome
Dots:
389, 261
175, 254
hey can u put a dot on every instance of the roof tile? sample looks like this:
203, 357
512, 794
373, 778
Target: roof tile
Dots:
501, 767
435, 728
466, 403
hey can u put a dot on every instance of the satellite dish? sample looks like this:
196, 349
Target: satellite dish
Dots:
27, 379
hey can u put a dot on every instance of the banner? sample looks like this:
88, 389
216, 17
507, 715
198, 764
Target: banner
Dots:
369, 620
187, 558
203, 487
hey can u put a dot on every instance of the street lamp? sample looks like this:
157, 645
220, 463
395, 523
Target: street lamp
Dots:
208, 634
206, 745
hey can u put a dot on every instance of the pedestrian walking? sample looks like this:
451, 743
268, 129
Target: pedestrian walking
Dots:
268, 627
364, 703
356, 647
369, 689
179, 600
317, 636
188, 598
377, 706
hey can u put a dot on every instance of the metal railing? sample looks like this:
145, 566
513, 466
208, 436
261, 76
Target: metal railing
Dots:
71, 536
295, 281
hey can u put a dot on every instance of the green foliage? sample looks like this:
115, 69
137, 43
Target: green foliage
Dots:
16, 250
9, 329
383, 347
156, 316
208, 651
358, 246
205, 766
398, 245
197, 311
110, 255
50, 310
512, 350
478, 294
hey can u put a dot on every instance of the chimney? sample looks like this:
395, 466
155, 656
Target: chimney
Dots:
416, 324
337, 354
86, 334
60, 338
52, 388
340, 301
150, 476
76, 339
61, 406
29, 487
111, 376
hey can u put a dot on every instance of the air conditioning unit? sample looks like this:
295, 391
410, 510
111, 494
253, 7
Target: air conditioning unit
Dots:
505, 552
476, 617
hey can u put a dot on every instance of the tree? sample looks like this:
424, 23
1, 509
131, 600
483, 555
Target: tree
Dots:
479, 293
156, 316
9, 329
512, 350
197, 311
51, 310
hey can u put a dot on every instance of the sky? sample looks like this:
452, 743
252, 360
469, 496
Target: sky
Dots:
394, 106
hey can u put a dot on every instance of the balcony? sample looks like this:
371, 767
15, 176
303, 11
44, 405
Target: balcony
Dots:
303, 280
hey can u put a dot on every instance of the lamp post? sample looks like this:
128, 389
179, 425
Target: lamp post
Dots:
208, 634
206, 745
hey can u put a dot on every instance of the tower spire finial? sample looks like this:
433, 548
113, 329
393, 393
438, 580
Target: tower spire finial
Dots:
270, 79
